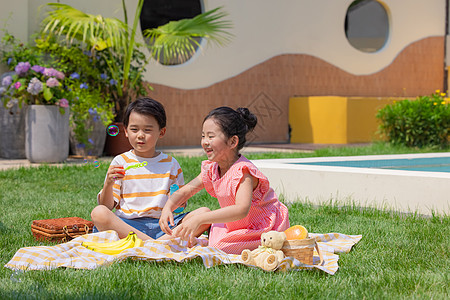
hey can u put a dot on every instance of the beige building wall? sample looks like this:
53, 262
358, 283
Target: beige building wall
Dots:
281, 49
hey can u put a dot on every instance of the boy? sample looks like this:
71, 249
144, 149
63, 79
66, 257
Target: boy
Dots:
139, 194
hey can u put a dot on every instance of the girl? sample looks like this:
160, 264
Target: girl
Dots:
248, 204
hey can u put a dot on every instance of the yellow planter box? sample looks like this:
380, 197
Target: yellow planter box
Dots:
334, 119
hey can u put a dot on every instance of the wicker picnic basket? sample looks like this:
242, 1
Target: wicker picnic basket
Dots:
302, 250
60, 229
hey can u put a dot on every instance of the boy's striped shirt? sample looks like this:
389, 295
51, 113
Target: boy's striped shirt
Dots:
144, 191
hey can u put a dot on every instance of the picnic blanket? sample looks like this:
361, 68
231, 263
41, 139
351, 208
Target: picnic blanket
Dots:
73, 255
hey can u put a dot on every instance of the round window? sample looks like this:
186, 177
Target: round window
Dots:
367, 25
159, 12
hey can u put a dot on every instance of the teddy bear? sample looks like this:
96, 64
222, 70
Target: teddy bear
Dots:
269, 255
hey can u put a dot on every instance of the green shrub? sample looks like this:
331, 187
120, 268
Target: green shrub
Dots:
422, 122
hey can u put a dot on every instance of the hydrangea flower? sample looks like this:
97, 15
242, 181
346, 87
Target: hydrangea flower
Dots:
63, 102
2, 91
37, 68
7, 81
60, 75
35, 86
22, 68
52, 82
17, 85
50, 72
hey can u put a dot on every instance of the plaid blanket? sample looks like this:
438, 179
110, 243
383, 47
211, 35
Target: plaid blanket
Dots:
73, 255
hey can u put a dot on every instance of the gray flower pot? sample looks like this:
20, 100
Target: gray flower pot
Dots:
12, 132
46, 134
97, 136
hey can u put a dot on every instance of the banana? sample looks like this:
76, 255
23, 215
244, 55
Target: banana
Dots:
116, 248
139, 242
107, 245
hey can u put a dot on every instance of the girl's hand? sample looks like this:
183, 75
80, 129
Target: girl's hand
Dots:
186, 230
115, 172
165, 219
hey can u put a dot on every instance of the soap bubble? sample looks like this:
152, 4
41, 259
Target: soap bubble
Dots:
113, 130
96, 164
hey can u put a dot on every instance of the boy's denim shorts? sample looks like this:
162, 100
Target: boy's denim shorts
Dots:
150, 226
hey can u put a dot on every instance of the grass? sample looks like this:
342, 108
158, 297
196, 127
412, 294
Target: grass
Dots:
400, 256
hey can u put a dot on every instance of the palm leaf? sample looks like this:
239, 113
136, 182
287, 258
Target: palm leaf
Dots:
95, 31
177, 39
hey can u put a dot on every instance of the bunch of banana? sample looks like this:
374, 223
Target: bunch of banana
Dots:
116, 247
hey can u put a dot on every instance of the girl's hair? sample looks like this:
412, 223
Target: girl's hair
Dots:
148, 107
234, 122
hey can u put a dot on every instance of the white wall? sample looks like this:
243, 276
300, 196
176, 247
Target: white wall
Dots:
267, 28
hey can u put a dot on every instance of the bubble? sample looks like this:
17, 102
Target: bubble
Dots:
113, 130
85, 161
96, 164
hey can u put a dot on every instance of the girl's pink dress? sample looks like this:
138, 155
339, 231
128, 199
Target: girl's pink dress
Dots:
266, 212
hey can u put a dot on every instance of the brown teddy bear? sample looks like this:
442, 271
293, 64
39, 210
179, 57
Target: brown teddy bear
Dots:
269, 255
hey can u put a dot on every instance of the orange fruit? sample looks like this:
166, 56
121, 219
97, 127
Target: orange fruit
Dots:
296, 232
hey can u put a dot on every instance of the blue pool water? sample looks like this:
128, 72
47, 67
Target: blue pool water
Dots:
428, 164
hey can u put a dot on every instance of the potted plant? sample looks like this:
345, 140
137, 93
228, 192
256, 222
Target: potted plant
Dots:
12, 113
85, 86
47, 116
89, 88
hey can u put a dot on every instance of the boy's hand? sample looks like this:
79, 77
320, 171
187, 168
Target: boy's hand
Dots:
165, 219
115, 172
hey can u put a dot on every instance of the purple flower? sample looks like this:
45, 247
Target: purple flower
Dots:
22, 68
75, 75
60, 75
17, 85
91, 141
52, 82
112, 82
63, 102
50, 72
9, 61
37, 68
84, 85
7, 81
92, 111
35, 86
2, 91
103, 76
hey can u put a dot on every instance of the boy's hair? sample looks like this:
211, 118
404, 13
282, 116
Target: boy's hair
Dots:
148, 107
234, 122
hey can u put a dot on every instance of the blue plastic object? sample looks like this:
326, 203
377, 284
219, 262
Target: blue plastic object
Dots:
173, 189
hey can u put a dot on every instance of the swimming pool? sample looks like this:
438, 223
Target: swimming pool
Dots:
427, 164
405, 182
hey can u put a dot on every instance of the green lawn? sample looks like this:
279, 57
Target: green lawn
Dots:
399, 257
